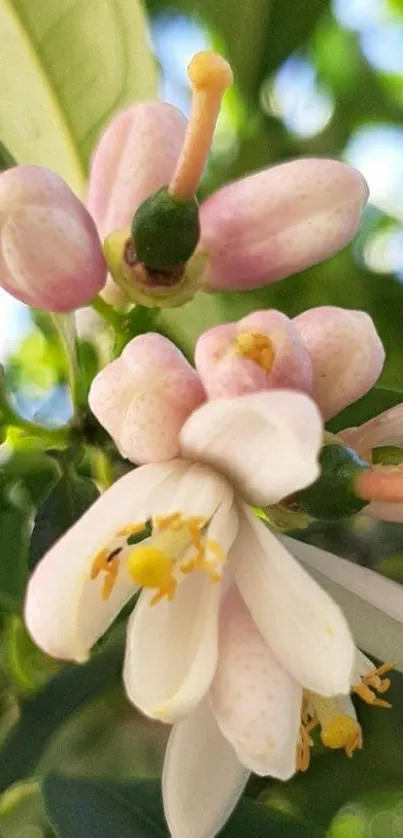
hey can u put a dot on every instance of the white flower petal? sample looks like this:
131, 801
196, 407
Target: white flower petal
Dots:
372, 604
257, 704
266, 443
201, 491
64, 611
202, 779
385, 429
171, 651
300, 622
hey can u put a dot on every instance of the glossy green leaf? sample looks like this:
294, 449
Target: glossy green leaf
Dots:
84, 809
15, 529
65, 502
42, 715
66, 67
374, 403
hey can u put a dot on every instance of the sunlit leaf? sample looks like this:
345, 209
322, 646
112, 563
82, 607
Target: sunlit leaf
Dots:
66, 67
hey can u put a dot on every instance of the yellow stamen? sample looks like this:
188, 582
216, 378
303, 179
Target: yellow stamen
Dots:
305, 744
308, 723
257, 348
342, 731
372, 683
106, 562
209, 75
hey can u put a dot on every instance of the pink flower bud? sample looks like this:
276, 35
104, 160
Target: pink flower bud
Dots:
346, 353
279, 221
144, 397
50, 253
262, 351
136, 155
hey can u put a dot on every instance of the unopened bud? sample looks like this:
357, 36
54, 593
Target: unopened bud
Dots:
50, 255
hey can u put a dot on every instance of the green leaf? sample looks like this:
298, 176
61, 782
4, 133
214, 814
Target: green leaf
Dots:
42, 715
66, 501
85, 809
6, 159
375, 402
22, 812
25, 664
66, 68
14, 528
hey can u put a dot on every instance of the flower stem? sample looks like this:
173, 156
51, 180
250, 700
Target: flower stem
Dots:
54, 436
65, 327
108, 313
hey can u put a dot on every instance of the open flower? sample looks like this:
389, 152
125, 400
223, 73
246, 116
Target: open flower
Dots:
231, 640
252, 232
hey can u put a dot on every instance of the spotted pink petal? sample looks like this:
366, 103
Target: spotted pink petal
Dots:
135, 156
257, 704
225, 372
144, 397
50, 253
346, 354
279, 221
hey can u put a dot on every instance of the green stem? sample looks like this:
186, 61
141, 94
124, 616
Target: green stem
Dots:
65, 328
108, 313
52, 435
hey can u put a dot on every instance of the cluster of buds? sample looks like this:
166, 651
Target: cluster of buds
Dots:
159, 245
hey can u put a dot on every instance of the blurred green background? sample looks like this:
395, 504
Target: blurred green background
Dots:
313, 77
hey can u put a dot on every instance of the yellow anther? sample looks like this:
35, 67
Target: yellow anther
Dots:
106, 562
209, 75
305, 744
372, 683
257, 348
150, 566
209, 71
165, 522
342, 731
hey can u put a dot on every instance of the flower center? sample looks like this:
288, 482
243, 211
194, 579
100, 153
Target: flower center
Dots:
257, 348
339, 728
158, 553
